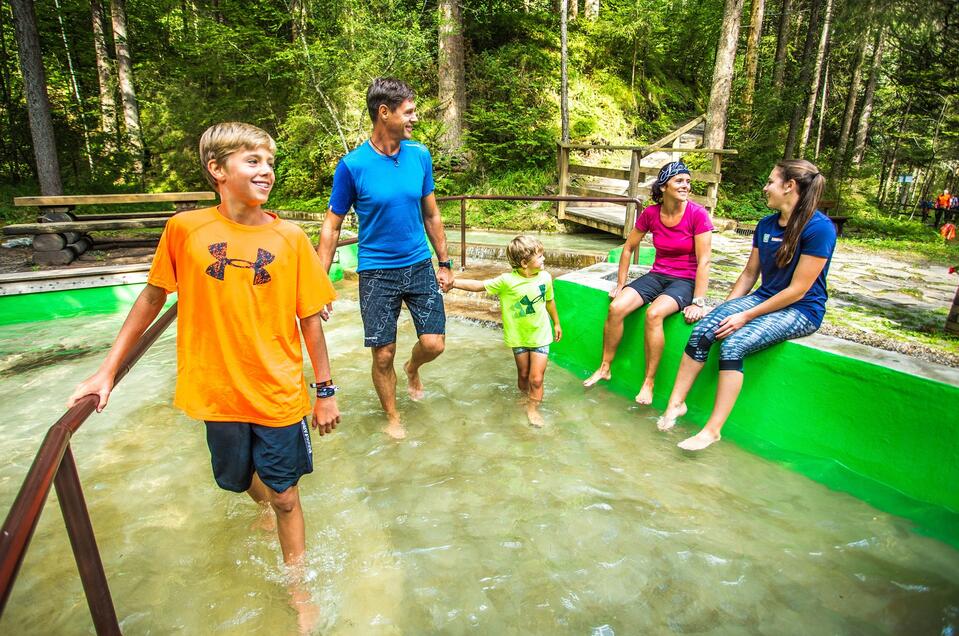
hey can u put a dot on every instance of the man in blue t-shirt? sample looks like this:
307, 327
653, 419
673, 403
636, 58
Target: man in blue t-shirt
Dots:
388, 181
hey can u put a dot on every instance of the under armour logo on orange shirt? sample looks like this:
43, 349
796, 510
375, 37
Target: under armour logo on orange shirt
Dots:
218, 269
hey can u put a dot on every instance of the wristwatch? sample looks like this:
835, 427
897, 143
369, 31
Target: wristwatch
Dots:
699, 301
448, 264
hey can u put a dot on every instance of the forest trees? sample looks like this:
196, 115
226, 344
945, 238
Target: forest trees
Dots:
150, 76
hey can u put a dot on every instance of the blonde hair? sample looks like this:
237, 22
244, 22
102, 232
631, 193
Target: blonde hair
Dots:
222, 140
522, 248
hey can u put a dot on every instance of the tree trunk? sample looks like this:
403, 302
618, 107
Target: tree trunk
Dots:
38, 104
805, 76
298, 16
814, 83
822, 109
108, 105
131, 110
752, 55
572, 7
452, 75
852, 96
895, 152
563, 79
859, 148
715, 134
782, 46
74, 85
591, 9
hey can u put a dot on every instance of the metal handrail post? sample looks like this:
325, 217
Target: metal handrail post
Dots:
463, 234
84, 543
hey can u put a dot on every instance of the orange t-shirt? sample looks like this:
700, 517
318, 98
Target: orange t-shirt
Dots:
942, 201
240, 289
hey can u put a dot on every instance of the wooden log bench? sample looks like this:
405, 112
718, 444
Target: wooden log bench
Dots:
60, 235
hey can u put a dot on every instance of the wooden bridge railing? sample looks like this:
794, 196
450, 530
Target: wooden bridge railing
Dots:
636, 174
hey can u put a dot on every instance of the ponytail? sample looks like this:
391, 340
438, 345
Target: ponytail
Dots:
811, 185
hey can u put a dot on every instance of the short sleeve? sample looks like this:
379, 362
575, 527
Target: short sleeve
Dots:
313, 287
818, 239
344, 189
163, 270
642, 221
496, 286
756, 233
428, 183
701, 221
549, 288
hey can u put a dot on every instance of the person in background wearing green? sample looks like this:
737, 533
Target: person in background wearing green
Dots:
526, 301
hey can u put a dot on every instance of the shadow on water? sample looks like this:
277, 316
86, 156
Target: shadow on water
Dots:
33, 360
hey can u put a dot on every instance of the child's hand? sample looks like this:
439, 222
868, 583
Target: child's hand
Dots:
557, 333
100, 384
326, 415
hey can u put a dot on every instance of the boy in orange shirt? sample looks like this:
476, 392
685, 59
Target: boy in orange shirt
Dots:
242, 277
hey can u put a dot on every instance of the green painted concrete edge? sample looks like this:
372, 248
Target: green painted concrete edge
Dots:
882, 435
91, 301
646, 255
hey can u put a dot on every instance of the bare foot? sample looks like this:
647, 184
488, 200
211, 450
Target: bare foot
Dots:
307, 612
535, 417
645, 395
602, 373
413, 384
394, 427
266, 520
669, 417
699, 441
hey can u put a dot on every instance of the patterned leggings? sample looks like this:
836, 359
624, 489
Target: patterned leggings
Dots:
756, 335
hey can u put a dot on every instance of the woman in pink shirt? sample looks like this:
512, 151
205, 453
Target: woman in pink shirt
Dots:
682, 236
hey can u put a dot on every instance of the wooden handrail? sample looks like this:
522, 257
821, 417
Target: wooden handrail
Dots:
109, 199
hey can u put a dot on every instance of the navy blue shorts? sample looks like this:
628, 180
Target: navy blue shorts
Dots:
650, 286
382, 291
279, 455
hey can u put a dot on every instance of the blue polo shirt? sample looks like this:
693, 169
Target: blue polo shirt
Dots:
818, 238
386, 194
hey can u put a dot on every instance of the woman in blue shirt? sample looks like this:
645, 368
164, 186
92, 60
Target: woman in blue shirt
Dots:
791, 251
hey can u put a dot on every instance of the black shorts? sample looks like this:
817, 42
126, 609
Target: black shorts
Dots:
279, 455
650, 286
382, 291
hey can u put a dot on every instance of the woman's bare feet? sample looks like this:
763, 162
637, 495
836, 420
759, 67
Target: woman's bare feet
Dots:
699, 441
645, 395
672, 413
602, 373
414, 386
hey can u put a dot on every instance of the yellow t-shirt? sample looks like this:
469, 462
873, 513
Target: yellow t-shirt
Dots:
240, 289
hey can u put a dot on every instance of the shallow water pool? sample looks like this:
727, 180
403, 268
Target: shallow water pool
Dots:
475, 523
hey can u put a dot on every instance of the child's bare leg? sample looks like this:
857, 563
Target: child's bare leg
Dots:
688, 371
625, 303
537, 372
522, 371
654, 343
260, 493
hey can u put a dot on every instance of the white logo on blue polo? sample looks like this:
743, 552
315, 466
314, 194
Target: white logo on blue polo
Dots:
765, 238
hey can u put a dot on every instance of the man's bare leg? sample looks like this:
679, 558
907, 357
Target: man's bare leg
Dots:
427, 348
625, 303
384, 381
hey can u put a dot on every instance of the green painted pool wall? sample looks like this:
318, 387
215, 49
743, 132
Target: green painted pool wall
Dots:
886, 436
51, 305
646, 255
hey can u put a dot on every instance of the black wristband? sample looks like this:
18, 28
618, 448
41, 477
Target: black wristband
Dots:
448, 264
324, 389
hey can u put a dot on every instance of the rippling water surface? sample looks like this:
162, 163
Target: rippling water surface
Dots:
476, 523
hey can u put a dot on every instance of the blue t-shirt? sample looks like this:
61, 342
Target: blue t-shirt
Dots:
386, 194
818, 238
